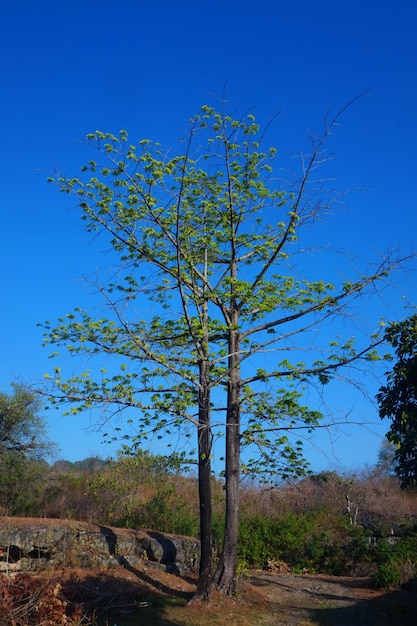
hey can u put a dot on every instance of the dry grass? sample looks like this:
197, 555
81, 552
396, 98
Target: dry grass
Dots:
248, 608
158, 599
124, 597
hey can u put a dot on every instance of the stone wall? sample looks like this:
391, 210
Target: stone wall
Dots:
32, 544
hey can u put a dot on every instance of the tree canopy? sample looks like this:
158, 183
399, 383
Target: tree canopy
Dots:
212, 321
398, 399
22, 429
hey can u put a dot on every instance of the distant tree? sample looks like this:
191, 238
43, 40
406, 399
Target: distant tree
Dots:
385, 464
63, 466
22, 429
23, 446
398, 399
90, 464
210, 315
22, 483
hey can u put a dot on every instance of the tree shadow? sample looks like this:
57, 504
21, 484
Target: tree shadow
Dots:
392, 608
153, 582
111, 599
169, 551
144, 597
167, 563
331, 601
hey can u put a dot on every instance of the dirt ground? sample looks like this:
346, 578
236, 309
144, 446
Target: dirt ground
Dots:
282, 599
275, 597
307, 600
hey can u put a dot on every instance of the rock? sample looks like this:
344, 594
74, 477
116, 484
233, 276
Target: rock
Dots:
28, 544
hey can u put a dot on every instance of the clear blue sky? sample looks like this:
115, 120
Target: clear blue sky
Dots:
69, 68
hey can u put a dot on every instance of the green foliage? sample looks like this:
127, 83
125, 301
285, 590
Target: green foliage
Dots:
22, 482
387, 576
398, 399
309, 541
169, 513
218, 526
396, 561
22, 429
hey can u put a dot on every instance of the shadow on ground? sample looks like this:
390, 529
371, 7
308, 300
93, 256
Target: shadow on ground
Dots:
123, 601
393, 608
330, 601
141, 596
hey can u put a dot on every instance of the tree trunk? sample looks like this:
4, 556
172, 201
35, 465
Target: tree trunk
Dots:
225, 577
204, 437
204, 485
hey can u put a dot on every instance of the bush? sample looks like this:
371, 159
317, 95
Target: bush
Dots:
311, 542
266, 538
396, 562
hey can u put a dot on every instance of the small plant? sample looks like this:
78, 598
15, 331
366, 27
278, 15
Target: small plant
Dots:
242, 567
387, 576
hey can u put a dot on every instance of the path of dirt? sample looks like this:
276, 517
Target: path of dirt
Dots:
279, 599
318, 600
288, 599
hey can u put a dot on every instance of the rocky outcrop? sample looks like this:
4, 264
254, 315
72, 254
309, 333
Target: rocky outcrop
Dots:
31, 544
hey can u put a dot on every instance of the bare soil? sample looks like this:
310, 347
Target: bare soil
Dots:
265, 599
307, 600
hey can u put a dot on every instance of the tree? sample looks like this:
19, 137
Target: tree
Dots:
207, 243
398, 399
385, 464
23, 444
22, 429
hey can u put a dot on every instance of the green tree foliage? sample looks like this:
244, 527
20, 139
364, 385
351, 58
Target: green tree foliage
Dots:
22, 429
23, 444
398, 399
209, 314
21, 484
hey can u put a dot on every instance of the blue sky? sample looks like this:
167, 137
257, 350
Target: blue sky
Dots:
71, 68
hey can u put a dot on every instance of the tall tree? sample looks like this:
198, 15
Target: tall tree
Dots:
398, 399
209, 294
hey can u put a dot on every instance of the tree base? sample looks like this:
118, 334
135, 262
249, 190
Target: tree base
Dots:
225, 581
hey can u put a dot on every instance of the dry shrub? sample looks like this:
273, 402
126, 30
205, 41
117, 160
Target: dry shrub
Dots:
365, 500
28, 600
380, 499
